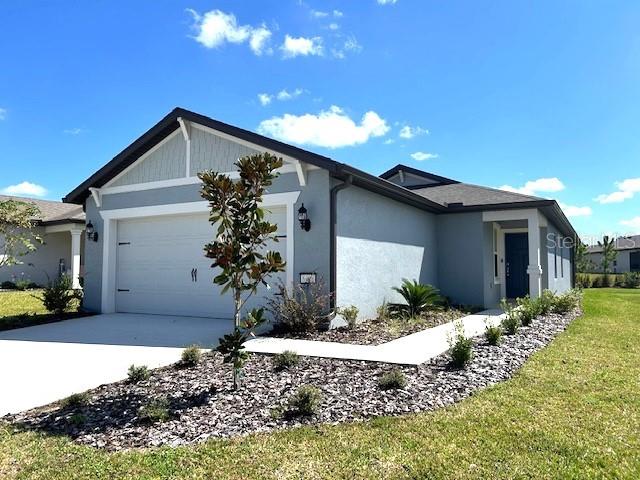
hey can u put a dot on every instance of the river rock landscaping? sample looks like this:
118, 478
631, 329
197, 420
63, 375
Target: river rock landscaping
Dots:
178, 405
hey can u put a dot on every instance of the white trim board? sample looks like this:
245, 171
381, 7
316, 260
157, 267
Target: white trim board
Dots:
110, 234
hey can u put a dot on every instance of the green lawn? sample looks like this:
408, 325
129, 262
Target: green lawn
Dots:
573, 411
24, 309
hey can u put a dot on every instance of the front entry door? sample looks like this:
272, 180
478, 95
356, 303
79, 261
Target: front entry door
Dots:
516, 247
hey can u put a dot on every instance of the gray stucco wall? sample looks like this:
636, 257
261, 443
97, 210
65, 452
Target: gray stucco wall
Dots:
462, 254
379, 242
558, 279
622, 265
44, 260
311, 252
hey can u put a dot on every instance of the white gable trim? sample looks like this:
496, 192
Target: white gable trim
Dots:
142, 157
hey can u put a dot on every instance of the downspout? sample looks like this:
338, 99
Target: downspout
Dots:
333, 218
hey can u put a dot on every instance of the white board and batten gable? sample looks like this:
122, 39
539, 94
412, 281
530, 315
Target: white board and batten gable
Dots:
179, 157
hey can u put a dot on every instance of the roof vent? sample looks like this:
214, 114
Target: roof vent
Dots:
454, 204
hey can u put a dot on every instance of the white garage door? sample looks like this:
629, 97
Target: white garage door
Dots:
161, 267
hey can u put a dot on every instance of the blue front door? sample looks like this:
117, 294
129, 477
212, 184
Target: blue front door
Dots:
516, 246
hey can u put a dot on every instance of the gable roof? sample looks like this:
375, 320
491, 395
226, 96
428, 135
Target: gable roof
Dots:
443, 196
52, 212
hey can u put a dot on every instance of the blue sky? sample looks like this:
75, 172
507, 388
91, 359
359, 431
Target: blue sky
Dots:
540, 96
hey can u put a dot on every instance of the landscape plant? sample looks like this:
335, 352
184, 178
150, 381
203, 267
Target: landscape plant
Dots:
350, 314
137, 374
285, 360
493, 334
511, 321
460, 347
19, 237
157, 410
608, 254
305, 401
191, 356
239, 249
393, 380
301, 308
59, 297
631, 280
418, 298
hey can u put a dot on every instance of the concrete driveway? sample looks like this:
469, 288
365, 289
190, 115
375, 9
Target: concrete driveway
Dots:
41, 364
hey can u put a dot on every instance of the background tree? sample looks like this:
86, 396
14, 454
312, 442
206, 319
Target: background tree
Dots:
239, 249
583, 263
17, 235
608, 253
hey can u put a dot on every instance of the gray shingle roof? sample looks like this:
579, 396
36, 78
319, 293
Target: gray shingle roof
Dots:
621, 243
53, 212
471, 195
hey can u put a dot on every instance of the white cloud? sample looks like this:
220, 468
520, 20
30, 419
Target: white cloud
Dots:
632, 223
350, 45
626, 190
422, 156
301, 46
331, 128
337, 13
389, 141
386, 2
574, 211
410, 132
285, 95
319, 14
532, 187
333, 26
25, 189
216, 28
74, 131
265, 98
3, 113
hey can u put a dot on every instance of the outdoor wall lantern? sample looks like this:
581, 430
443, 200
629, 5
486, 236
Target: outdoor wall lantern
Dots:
303, 218
91, 233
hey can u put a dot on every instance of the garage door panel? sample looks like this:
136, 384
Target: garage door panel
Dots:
155, 258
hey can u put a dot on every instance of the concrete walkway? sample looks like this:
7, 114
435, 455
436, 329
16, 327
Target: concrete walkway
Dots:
412, 349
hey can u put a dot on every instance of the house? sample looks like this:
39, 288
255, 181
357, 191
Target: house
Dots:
627, 255
366, 233
60, 225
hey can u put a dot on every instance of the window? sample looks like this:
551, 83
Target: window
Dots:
634, 260
496, 270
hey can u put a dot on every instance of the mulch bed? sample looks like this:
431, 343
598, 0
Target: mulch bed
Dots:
203, 405
375, 332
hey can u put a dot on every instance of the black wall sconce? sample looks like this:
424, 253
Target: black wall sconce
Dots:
303, 218
91, 233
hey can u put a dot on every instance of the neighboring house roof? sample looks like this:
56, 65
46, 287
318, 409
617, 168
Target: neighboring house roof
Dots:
52, 213
443, 196
621, 243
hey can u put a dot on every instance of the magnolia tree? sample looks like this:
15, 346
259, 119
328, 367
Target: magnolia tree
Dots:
17, 236
239, 249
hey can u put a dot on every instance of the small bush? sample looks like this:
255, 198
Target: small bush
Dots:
23, 285
138, 374
58, 297
306, 401
301, 308
493, 334
382, 312
76, 400
566, 302
350, 314
77, 419
460, 347
631, 280
191, 356
583, 280
528, 309
545, 302
155, 411
418, 298
8, 285
393, 380
285, 360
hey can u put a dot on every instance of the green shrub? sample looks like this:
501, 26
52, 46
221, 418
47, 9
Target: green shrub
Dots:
493, 334
23, 285
306, 401
76, 400
285, 360
58, 297
191, 356
138, 374
7, 285
631, 280
460, 347
545, 302
419, 298
350, 314
155, 411
566, 302
393, 380
77, 419
528, 309
301, 308
382, 312
583, 280
511, 321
